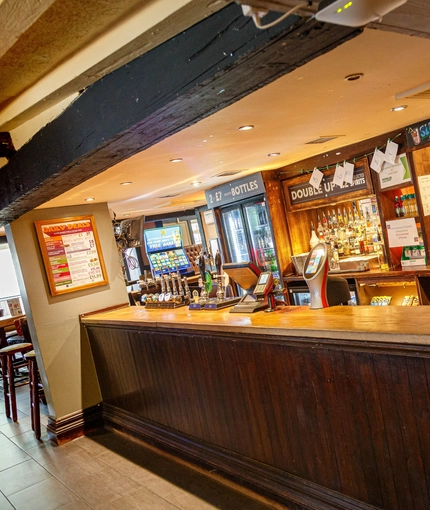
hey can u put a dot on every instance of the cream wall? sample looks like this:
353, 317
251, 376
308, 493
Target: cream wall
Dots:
62, 350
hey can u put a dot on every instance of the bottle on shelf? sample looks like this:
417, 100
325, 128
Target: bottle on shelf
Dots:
397, 206
314, 238
413, 204
406, 206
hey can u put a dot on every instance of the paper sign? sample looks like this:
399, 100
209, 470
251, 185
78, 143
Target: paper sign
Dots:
316, 178
402, 232
391, 152
395, 174
424, 184
377, 160
349, 172
339, 174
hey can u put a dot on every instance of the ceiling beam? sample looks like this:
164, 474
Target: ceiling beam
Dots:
204, 69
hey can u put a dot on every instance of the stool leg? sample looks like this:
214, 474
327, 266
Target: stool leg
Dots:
5, 385
12, 396
34, 398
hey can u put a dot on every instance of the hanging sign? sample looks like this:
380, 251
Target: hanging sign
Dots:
395, 174
71, 254
234, 191
304, 192
418, 134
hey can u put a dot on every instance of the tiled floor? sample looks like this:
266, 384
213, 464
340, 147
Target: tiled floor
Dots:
102, 471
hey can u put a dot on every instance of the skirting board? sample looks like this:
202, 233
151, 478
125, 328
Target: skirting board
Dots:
270, 482
64, 429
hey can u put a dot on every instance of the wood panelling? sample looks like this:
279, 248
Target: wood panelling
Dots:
319, 419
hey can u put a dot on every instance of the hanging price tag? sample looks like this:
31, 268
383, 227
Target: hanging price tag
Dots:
391, 152
316, 178
348, 172
377, 160
339, 175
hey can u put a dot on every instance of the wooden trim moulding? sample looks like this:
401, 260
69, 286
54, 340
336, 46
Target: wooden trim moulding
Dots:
77, 424
262, 479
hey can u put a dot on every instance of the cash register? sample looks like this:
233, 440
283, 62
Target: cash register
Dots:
256, 285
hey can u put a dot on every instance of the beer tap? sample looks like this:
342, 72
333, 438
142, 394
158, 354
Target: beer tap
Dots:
180, 287
202, 280
220, 295
187, 288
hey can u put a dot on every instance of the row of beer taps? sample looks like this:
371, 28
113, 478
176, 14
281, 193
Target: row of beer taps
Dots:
172, 286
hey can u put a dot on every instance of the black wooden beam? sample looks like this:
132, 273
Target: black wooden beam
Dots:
204, 69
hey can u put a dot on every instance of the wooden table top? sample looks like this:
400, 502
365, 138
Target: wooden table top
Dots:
393, 324
9, 320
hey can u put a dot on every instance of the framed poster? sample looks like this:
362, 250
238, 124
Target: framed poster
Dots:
71, 254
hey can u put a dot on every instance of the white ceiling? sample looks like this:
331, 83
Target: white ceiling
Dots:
311, 102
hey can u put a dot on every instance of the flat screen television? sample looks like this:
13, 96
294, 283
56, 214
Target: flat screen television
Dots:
162, 261
245, 274
163, 239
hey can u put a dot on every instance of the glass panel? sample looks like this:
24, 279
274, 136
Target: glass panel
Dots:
261, 237
196, 232
235, 233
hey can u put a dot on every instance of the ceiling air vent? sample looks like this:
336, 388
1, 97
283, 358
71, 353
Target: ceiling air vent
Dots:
228, 173
420, 92
322, 139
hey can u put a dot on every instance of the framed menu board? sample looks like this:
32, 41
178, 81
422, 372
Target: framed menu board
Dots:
71, 254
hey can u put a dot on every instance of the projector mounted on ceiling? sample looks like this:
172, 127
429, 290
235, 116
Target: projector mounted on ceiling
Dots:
355, 13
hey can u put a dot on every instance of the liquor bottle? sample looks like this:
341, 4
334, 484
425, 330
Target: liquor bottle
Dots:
339, 217
406, 207
356, 215
401, 207
350, 217
329, 221
345, 217
324, 221
413, 204
320, 229
397, 206
314, 238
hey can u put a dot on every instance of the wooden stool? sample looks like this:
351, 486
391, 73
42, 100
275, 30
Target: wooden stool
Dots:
34, 392
8, 367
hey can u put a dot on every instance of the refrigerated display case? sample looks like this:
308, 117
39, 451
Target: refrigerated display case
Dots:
248, 234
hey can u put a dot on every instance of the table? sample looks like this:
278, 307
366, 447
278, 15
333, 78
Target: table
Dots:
4, 323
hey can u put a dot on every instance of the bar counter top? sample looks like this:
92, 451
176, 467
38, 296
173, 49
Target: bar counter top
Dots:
399, 325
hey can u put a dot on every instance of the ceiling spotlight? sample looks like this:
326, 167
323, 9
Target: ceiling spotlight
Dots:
338, 153
196, 183
89, 199
175, 160
353, 77
273, 154
126, 183
399, 108
246, 128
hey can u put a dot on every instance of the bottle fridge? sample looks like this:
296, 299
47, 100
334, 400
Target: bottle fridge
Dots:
248, 235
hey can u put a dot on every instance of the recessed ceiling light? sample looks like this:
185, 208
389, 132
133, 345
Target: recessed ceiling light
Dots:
196, 183
338, 153
126, 183
175, 160
125, 215
246, 128
399, 108
353, 77
273, 154
89, 199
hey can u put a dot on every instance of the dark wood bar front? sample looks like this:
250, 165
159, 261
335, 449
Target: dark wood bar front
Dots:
323, 409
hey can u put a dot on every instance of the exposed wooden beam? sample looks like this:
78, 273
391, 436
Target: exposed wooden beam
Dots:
202, 70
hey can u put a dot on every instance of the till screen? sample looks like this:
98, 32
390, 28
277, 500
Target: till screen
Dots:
314, 263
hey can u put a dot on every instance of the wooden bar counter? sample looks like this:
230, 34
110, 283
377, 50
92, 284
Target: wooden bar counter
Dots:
314, 409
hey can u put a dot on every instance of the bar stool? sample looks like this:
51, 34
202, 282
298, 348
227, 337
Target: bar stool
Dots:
8, 366
34, 392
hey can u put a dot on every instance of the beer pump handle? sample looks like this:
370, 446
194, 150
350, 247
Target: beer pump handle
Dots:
218, 263
202, 267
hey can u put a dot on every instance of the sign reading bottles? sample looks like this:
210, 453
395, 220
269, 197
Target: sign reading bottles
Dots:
418, 134
304, 192
234, 191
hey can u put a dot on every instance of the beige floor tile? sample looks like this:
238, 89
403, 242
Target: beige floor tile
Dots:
28, 440
11, 429
140, 500
4, 503
11, 456
49, 494
22, 476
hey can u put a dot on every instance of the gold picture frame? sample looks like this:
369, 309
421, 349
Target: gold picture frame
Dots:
71, 254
